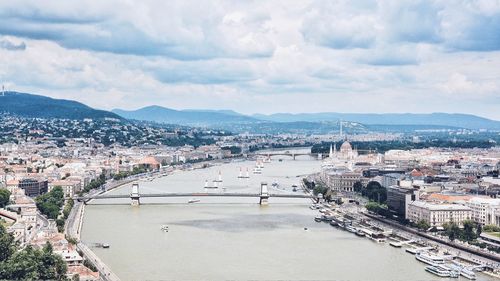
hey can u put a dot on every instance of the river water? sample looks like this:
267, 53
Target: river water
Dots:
235, 238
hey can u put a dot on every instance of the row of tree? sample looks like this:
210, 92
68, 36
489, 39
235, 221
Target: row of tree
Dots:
95, 183
468, 233
28, 263
135, 171
383, 146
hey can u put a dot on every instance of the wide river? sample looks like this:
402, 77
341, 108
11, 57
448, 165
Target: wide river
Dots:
236, 238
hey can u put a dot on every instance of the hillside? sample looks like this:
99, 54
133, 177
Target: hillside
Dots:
184, 117
36, 106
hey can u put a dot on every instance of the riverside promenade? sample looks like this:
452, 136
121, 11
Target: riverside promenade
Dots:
492, 260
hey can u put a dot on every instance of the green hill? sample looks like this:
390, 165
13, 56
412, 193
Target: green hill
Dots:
36, 106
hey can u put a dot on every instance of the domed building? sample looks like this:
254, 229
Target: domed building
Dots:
346, 151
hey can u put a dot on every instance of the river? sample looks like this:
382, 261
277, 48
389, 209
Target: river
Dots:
235, 238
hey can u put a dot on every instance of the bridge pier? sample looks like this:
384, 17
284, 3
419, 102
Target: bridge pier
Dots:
135, 196
264, 194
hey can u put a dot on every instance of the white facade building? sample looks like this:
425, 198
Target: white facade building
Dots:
485, 210
438, 214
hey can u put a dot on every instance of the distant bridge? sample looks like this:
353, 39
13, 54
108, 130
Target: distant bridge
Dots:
290, 154
263, 196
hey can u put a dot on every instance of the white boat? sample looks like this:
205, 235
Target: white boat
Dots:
241, 176
429, 259
350, 229
467, 273
438, 271
164, 228
396, 244
378, 238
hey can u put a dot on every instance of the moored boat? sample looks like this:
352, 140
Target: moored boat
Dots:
360, 233
438, 271
350, 229
429, 259
467, 273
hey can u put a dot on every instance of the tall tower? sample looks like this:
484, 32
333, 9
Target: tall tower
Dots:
341, 128
331, 151
3, 90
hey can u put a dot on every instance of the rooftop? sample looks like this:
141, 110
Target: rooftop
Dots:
439, 207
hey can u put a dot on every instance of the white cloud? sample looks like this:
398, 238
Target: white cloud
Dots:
267, 56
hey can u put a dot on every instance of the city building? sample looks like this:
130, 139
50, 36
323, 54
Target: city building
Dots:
33, 187
399, 198
438, 214
485, 210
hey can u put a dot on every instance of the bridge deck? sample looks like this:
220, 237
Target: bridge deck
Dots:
158, 195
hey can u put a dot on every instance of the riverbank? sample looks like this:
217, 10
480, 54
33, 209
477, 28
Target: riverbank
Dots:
351, 218
490, 258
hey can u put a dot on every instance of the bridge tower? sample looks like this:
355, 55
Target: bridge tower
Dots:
264, 194
135, 196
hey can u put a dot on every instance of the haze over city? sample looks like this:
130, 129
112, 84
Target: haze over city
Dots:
257, 57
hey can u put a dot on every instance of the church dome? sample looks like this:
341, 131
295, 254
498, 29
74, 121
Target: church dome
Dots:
346, 147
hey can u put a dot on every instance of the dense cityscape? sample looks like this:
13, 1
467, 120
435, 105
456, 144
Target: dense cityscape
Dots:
445, 194
250, 140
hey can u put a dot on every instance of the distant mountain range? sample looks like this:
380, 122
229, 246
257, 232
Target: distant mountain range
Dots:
186, 117
435, 119
307, 120
33, 106
36, 106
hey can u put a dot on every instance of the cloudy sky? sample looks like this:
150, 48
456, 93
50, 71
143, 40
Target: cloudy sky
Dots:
257, 56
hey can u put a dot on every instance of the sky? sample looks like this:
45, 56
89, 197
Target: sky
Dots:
257, 56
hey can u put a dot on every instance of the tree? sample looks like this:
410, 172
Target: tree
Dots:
372, 207
479, 230
423, 225
51, 203
452, 230
374, 191
320, 189
491, 228
468, 232
358, 186
4, 197
7, 246
30, 263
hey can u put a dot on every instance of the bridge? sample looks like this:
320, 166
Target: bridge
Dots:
290, 154
135, 196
